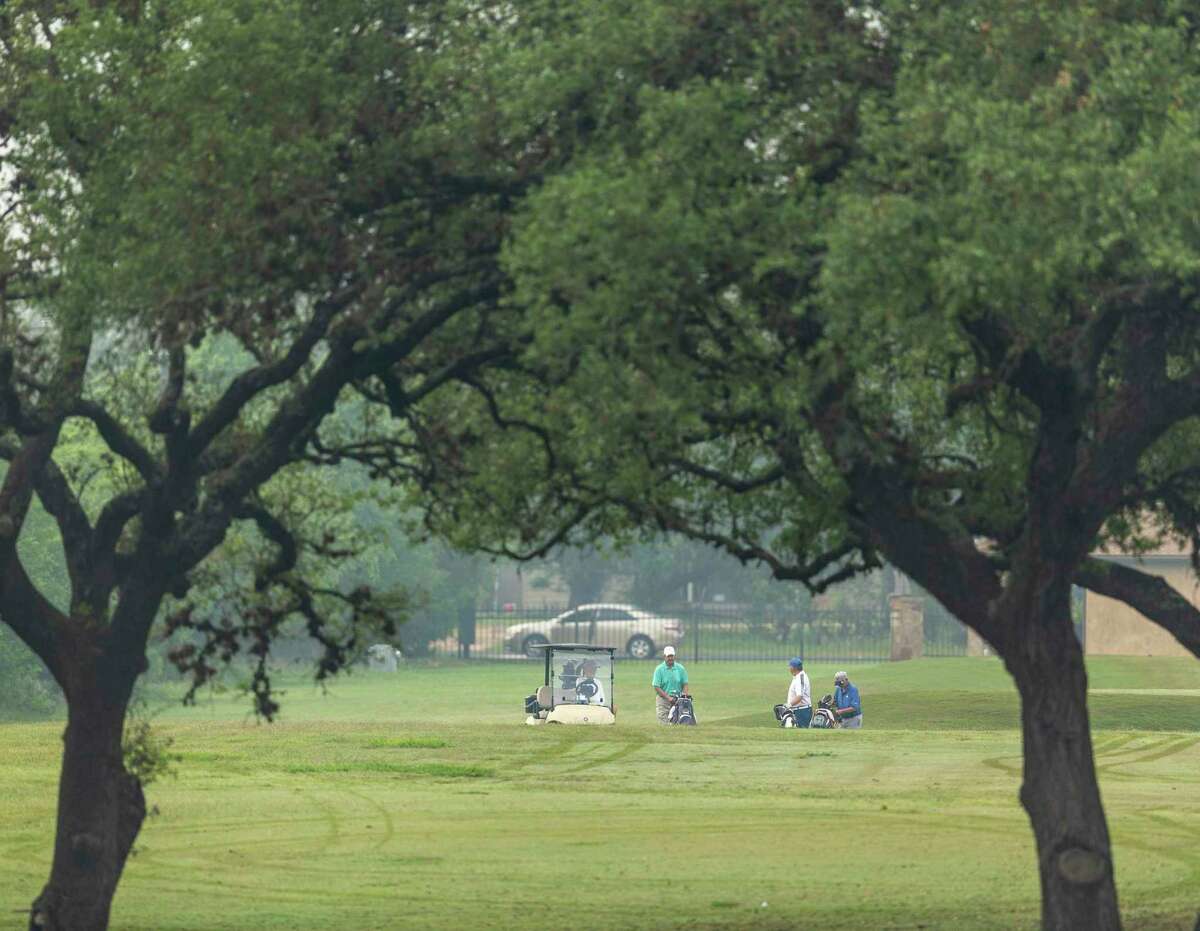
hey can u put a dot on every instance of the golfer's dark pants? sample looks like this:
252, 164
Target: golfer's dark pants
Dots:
803, 716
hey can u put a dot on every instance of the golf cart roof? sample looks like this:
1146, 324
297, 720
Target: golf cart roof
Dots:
574, 647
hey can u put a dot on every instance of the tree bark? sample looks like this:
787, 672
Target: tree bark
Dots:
1060, 792
100, 812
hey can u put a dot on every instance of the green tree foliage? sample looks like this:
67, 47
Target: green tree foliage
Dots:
852, 282
664, 571
432, 585
219, 222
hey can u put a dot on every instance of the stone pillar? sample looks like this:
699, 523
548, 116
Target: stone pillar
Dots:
976, 645
908, 626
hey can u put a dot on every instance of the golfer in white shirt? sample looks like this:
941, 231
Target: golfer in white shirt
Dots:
799, 693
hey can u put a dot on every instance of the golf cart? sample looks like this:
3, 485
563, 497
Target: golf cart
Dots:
578, 686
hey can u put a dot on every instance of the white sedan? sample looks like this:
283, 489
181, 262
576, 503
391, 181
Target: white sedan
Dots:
638, 633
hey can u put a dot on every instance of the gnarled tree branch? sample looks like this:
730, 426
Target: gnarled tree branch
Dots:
1148, 594
118, 439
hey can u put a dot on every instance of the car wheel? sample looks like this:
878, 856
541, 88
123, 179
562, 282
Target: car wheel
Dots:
640, 647
530, 644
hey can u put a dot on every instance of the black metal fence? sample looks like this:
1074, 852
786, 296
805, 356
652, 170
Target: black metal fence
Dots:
709, 633
945, 634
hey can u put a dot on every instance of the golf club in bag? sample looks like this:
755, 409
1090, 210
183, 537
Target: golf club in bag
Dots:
824, 716
787, 716
681, 712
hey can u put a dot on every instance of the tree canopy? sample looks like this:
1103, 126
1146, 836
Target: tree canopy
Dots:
879, 282
221, 222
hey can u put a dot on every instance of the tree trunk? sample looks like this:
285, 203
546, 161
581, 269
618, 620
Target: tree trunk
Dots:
100, 811
1060, 792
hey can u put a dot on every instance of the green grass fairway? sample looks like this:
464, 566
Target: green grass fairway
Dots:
420, 800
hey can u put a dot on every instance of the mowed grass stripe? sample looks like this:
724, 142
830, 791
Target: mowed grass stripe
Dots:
436, 770
405, 743
357, 810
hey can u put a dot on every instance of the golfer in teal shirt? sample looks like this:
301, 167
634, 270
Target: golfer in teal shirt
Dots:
670, 681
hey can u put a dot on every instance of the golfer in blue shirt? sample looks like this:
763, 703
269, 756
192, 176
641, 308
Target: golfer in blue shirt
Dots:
846, 703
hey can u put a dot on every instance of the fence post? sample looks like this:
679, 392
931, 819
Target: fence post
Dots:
908, 626
696, 625
466, 626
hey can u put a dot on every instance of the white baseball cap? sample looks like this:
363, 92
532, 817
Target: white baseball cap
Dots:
668, 651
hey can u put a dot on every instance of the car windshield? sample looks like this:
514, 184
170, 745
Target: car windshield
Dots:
581, 677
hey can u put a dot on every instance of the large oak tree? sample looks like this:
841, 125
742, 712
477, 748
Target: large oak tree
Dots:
289, 187
897, 281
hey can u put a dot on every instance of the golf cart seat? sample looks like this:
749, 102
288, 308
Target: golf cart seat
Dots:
540, 702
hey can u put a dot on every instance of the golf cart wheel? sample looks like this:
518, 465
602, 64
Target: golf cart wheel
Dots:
530, 644
640, 647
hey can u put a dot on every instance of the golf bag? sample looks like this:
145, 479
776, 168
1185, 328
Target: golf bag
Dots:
785, 716
570, 672
681, 712
824, 716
